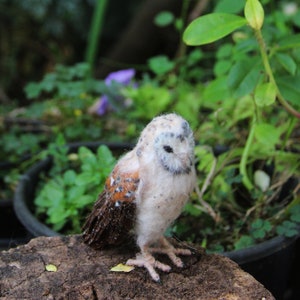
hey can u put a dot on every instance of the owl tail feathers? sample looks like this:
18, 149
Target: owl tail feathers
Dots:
109, 223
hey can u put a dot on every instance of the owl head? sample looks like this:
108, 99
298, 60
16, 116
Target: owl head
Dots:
168, 139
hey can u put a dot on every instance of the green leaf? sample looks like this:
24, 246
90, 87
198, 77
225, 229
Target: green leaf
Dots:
206, 158
290, 88
189, 101
216, 90
88, 158
265, 94
295, 213
160, 64
288, 229
164, 18
149, 100
51, 268
105, 157
229, 6
244, 242
83, 179
267, 134
179, 24
58, 214
296, 18
254, 14
51, 193
289, 42
80, 70
32, 90
122, 268
194, 56
49, 81
233, 179
75, 192
69, 177
225, 51
243, 77
211, 27
84, 200
221, 67
259, 228
192, 210
244, 108
287, 62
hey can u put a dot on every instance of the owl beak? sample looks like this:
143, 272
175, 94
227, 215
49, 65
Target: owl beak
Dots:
186, 159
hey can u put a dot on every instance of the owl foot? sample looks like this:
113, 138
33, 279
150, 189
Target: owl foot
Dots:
146, 259
171, 252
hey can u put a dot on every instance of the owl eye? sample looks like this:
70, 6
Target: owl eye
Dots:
168, 149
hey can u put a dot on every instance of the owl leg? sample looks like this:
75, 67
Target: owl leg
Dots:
145, 259
172, 252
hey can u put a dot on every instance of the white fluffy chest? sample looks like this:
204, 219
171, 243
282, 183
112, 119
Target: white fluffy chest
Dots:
160, 203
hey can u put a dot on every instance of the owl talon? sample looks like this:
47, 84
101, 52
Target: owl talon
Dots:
171, 252
148, 261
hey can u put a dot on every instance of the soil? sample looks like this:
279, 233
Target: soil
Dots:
84, 273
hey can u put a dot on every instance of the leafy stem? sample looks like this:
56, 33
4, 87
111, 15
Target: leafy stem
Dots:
270, 74
290, 129
94, 34
243, 162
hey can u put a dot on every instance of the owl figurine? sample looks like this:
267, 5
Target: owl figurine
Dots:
145, 193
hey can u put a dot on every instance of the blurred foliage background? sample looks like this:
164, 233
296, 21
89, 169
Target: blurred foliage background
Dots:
36, 35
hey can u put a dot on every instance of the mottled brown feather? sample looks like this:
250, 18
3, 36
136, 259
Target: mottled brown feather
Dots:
113, 215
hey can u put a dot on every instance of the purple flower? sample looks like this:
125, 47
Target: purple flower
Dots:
123, 77
102, 105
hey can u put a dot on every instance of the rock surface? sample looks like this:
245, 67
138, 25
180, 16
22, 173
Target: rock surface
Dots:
84, 273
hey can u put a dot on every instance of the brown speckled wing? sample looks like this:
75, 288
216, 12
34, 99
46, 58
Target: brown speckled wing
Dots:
113, 215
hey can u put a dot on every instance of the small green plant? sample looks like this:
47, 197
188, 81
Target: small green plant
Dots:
73, 103
73, 184
64, 82
240, 187
16, 147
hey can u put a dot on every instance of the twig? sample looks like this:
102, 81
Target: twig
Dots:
198, 10
249, 212
200, 194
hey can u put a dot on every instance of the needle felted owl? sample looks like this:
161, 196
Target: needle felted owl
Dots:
146, 192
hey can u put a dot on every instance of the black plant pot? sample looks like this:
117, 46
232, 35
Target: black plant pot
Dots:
12, 232
269, 262
24, 196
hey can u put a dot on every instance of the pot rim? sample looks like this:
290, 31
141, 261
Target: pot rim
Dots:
261, 250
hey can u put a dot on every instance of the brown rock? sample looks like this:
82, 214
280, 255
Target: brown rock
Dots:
84, 273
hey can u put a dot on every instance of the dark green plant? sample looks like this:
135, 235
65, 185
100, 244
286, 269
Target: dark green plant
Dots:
69, 94
35, 35
73, 184
241, 187
16, 147
65, 81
